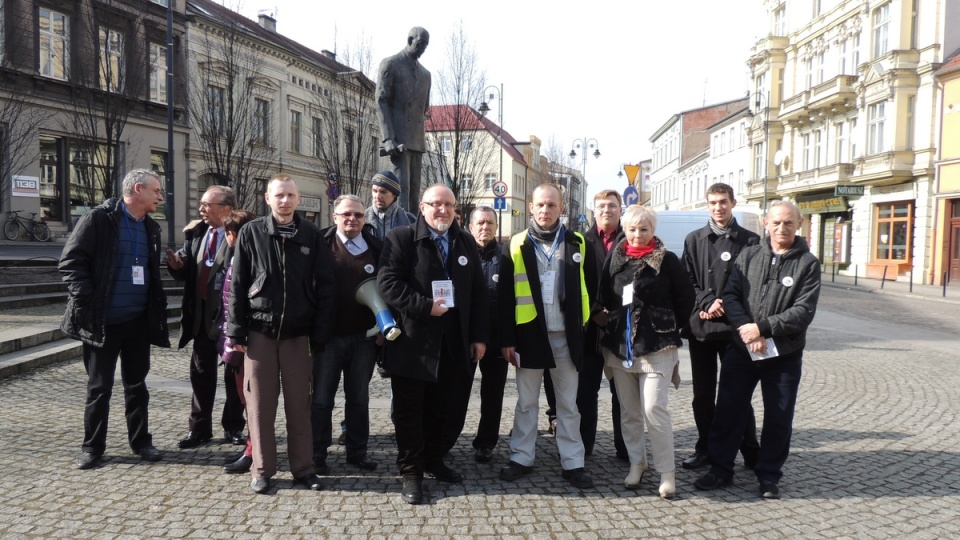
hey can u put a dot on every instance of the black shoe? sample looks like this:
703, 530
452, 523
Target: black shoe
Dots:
578, 478
513, 471
88, 460
711, 481
412, 491
234, 437
444, 474
384, 374
362, 463
232, 457
194, 439
321, 467
769, 490
310, 481
260, 484
483, 455
241, 465
696, 461
149, 453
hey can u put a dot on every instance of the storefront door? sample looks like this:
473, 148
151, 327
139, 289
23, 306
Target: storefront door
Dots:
954, 275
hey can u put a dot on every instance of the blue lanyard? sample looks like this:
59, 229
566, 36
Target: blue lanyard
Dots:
556, 244
628, 362
133, 239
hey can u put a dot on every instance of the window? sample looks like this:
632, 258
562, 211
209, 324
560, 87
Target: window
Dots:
445, 144
50, 169
853, 140
893, 231
295, 131
466, 143
876, 117
215, 112
818, 148
817, 7
780, 21
317, 137
261, 121
349, 140
158, 164
914, 17
88, 174
111, 60
841, 155
466, 185
489, 179
158, 73
53, 44
821, 62
808, 66
723, 143
881, 29
758, 171
844, 48
911, 110
805, 155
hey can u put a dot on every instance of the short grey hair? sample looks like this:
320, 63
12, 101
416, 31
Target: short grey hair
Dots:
636, 214
137, 176
483, 209
347, 197
789, 204
229, 195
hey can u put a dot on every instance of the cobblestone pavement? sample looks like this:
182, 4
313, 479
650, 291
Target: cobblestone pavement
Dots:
875, 455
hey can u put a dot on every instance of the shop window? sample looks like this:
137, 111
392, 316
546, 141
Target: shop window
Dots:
893, 233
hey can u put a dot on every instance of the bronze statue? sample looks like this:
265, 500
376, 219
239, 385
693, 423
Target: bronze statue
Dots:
403, 96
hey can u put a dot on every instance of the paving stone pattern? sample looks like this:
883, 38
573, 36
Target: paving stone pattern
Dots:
875, 455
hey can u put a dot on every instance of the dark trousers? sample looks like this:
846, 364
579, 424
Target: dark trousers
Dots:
493, 379
704, 357
420, 413
129, 341
354, 356
203, 380
588, 392
779, 380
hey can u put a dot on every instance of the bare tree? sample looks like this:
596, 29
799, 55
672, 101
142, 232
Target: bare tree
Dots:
20, 116
109, 82
230, 107
461, 132
345, 133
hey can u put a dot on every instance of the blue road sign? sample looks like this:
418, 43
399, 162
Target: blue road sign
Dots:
499, 203
582, 218
631, 196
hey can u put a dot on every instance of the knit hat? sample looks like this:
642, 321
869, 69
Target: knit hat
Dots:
388, 181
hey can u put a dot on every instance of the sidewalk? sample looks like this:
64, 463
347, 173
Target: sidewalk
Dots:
893, 288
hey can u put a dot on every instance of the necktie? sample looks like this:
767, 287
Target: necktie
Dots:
442, 246
206, 263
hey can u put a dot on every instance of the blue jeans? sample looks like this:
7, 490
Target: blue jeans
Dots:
779, 380
354, 356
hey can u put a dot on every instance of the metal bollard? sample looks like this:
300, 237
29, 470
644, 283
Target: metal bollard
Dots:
944, 281
911, 279
856, 274
883, 278
833, 273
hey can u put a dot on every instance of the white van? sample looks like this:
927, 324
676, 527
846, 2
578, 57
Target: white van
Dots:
673, 226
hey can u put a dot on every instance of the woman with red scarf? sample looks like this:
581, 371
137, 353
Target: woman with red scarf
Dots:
649, 296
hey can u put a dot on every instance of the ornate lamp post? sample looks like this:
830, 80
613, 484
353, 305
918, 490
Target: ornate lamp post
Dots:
484, 109
584, 145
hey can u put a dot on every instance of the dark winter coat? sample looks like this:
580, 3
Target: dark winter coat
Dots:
281, 287
591, 274
531, 339
662, 299
212, 317
781, 299
87, 264
490, 262
409, 265
703, 257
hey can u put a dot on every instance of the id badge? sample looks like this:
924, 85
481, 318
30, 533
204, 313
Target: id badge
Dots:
547, 281
137, 275
628, 294
443, 288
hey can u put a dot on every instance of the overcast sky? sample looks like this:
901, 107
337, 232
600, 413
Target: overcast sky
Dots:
613, 70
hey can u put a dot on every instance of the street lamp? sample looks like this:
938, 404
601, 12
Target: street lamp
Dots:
484, 109
759, 98
584, 145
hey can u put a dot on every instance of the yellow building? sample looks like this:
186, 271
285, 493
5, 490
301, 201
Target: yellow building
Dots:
946, 240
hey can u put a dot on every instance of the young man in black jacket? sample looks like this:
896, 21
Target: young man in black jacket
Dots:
708, 255
117, 307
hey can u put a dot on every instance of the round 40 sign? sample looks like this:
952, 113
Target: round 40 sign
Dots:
500, 188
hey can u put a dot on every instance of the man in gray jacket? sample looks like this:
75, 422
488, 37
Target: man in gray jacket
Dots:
770, 299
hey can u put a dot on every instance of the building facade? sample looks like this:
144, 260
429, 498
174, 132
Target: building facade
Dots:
946, 239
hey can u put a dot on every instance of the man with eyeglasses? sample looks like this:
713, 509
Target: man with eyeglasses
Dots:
431, 277
200, 264
356, 255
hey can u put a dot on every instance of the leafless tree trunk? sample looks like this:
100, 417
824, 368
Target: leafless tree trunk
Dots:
234, 126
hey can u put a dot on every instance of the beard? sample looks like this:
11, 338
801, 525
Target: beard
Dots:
441, 227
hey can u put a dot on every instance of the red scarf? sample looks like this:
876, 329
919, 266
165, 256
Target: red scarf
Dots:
637, 252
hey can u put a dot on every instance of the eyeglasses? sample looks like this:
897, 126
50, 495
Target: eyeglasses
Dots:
441, 205
204, 204
354, 215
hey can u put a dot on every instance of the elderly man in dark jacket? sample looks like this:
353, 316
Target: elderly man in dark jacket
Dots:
709, 254
770, 299
111, 265
430, 276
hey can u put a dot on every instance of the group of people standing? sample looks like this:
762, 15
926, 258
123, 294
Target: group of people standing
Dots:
274, 299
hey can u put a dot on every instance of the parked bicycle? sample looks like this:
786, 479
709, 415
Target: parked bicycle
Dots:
37, 229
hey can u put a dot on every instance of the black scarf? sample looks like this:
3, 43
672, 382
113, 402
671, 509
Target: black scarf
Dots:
722, 231
540, 234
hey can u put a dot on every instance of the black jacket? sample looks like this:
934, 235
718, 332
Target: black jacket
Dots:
409, 265
212, 318
662, 299
781, 299
490, 262
703, 257
591, 274
281, 287
87, 264
530, 339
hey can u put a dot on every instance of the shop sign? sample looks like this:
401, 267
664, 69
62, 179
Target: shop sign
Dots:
821, 205
848, 190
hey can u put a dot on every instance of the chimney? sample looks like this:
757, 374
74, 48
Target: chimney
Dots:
267, 22
328, 54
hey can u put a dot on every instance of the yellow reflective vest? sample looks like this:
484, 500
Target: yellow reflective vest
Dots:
526, 310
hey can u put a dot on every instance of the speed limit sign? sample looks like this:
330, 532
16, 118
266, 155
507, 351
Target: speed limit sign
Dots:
500, 188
